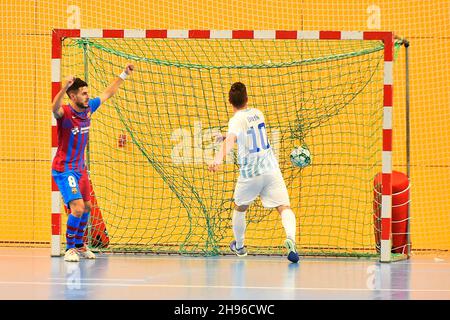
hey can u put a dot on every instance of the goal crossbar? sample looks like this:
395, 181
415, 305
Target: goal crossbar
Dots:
58, 35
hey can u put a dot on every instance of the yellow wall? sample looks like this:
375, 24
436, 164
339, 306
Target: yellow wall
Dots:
25, 92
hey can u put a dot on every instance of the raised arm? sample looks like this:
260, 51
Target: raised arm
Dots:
57, 109
225, 147
115, 84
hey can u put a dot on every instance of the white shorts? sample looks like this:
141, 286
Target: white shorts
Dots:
270, 187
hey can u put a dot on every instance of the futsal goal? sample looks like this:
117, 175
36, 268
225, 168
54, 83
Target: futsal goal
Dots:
149, 145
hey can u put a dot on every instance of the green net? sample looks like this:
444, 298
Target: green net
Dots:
150, 144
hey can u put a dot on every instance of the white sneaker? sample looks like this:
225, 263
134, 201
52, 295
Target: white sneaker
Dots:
85, 253
71, 255
242, 252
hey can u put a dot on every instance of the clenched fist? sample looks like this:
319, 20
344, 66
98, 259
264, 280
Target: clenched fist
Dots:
69, 81
129, 69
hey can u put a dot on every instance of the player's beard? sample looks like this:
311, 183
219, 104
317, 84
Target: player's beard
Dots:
81, 105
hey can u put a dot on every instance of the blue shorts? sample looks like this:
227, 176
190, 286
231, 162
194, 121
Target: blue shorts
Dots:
73, 185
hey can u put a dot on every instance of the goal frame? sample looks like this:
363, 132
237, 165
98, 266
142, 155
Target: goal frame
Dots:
58, 36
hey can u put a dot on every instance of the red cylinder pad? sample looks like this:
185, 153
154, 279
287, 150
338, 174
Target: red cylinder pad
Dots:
400, 210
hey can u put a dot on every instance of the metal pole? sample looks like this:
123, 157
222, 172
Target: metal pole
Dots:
408, 141
86, 79
408, 162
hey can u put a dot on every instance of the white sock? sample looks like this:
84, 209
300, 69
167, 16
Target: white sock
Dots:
289, 224
239, 226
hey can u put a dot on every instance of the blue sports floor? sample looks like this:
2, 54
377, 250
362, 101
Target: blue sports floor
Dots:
27, 273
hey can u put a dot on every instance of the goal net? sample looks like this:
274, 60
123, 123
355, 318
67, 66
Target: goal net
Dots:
150, 144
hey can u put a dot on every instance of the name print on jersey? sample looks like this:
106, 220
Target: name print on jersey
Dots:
253, 118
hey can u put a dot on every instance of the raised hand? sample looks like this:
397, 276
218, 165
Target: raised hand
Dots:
69, 81
129, 69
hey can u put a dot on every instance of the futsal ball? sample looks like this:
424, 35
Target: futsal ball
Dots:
301, 157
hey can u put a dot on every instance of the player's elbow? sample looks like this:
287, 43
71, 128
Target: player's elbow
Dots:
105, 96
57, 111
57, 115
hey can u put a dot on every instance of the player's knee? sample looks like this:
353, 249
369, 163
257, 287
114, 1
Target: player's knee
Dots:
77, 208
77, 211
282, 208
242, 208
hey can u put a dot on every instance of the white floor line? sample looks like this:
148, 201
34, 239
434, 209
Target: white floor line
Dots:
280, 259
99, 279
218, 287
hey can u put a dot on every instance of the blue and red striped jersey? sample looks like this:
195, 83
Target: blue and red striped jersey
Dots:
73, 135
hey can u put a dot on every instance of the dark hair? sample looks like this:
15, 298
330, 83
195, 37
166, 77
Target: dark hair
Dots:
238, 95
77, 84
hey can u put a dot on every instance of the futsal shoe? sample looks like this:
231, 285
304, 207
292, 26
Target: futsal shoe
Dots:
85, 253
71, 255
292, 254
242, 252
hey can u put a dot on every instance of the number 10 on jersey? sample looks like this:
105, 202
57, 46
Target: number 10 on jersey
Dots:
262, 133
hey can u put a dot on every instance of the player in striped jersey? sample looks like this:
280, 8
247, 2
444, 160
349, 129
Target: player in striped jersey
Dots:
260, 173
69, 168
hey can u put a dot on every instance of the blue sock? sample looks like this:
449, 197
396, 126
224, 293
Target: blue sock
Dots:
80, 233
72, 227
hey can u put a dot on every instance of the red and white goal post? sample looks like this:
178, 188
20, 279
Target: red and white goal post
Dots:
387, 38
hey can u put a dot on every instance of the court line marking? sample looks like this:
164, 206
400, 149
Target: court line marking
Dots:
99, 279
231, 258
280, 259
217, 287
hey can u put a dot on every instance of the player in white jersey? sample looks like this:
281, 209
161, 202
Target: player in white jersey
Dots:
260, 174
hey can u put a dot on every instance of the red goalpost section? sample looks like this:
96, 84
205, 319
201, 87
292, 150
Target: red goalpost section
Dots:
387, 38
